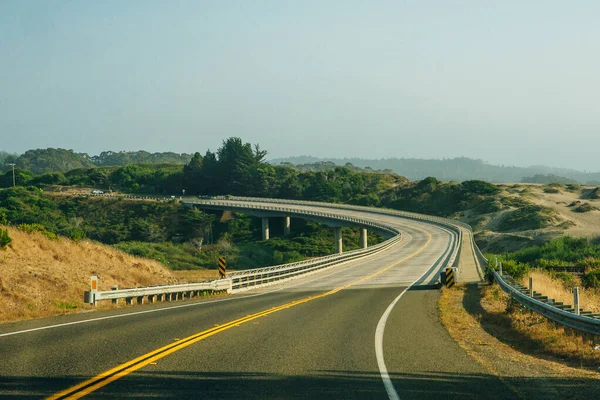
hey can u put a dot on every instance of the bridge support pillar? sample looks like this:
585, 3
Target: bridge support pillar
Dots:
286, 226
265, 229
338, 240
363, 238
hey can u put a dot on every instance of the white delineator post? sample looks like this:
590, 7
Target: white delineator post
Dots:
576, 300
500, 269
93, 289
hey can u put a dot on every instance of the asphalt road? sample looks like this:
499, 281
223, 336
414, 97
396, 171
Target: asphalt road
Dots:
324, 346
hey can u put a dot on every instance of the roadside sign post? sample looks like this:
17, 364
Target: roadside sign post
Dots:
222, 267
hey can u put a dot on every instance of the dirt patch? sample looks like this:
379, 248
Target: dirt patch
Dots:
508, 345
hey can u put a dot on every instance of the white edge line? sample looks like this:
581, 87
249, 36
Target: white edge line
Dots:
385, 376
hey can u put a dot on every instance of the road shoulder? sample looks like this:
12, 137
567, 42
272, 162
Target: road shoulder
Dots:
463, 315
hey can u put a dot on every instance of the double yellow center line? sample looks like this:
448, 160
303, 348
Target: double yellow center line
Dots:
99, 381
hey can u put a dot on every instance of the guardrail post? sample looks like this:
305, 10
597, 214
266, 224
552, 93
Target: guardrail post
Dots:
140, 300
576, 300
115, 287
531, 286
129, 300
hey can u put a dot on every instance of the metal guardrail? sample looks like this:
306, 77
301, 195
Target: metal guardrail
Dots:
566, 318
247, 279
161, 292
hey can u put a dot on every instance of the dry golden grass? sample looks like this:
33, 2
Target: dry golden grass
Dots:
40, 277
528, 353
555, 289
491, 309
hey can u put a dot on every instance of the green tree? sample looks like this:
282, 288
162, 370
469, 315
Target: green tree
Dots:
42, 161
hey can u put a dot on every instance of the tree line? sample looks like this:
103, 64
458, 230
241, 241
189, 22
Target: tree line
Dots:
50, 160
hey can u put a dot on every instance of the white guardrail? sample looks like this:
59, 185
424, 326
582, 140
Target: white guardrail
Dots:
249, 279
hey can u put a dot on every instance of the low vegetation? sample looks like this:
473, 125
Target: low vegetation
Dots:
528, 217
584, 207
564, 251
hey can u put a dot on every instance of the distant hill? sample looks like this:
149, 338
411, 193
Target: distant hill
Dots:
454, 169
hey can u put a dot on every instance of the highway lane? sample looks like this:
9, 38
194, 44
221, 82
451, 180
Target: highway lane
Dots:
40, 363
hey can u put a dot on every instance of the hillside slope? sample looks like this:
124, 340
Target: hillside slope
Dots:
522, 215
41, 277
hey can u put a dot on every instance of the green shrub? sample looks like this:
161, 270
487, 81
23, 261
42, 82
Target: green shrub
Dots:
585, 207
4, 238
551, 190
566, 278
591, 279
30, 228
509, 267
573, 187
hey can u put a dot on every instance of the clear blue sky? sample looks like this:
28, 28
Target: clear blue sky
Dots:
512, 82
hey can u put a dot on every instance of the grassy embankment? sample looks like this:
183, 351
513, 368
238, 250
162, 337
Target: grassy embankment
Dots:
530, 355
42, 276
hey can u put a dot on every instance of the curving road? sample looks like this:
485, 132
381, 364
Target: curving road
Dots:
351, 331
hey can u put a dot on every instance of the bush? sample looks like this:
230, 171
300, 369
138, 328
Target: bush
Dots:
566, 278
510, 267
591, 279
4, 238
551, 190
515, 269
585, 207
30, 228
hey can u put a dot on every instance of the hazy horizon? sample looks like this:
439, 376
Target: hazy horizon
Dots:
513, 83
